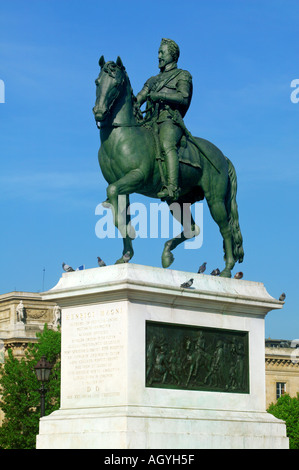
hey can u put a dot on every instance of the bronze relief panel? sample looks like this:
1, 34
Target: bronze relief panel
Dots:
196, 358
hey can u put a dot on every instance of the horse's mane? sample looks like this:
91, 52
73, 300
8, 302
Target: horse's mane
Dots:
111, 68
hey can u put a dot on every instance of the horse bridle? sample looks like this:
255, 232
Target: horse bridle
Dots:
107, 69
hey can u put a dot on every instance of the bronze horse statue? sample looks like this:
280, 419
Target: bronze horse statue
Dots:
128, 161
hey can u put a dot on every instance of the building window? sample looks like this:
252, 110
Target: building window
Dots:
280, 389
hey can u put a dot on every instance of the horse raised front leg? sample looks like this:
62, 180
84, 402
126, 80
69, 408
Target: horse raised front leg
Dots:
182, 213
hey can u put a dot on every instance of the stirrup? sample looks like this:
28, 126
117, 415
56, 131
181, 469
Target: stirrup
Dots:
170, 192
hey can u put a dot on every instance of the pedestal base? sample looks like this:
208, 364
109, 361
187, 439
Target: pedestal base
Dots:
149, 365
149, 428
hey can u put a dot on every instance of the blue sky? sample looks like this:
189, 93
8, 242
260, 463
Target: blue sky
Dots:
242, 54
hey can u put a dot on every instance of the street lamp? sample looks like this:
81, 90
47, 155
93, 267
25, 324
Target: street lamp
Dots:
42, 371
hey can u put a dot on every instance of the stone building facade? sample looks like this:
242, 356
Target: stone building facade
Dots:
22, 315
282, 369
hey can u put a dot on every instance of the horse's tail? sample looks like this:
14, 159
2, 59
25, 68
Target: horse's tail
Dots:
233, 216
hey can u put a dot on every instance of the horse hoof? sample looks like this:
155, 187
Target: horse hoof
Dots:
120, 261
106, 204
226, 273
125, 258
167, 259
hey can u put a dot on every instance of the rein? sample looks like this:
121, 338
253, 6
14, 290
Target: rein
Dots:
116, 124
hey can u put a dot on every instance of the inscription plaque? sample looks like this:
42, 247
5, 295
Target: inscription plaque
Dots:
196, 358
93, 353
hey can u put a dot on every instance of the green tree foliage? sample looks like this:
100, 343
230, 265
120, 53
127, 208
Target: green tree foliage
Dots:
19, 388
287, 409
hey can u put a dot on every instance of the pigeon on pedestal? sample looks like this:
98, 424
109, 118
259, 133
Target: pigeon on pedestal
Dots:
67, 268
188, 283
101, 263
202, 268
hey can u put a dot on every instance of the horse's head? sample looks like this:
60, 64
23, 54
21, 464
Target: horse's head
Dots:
109, 86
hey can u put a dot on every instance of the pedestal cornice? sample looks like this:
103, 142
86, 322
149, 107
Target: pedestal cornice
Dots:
161, 286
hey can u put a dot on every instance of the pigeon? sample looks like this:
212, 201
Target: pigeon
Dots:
126, 257
101, 263
238, 275
215, 272
67, 268
188, 283
202, 268
282, 297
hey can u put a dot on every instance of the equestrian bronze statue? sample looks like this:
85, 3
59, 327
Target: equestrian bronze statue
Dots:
157, 156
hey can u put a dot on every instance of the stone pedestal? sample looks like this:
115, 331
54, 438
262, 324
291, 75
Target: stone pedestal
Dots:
147, 364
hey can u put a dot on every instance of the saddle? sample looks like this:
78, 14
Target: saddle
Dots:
188, 151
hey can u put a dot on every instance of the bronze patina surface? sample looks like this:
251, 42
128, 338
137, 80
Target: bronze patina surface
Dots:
196, 358
158, 157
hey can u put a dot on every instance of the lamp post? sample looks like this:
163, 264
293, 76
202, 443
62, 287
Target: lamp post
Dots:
42, 371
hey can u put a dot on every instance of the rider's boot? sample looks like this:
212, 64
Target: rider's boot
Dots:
171, 191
